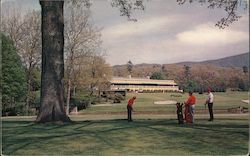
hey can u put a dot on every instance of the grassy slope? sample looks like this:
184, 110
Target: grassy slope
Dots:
118, 137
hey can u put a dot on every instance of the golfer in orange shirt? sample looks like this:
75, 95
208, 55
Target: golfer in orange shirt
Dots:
130, 108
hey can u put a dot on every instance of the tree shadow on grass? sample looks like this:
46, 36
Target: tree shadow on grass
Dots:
24, 135
21, 137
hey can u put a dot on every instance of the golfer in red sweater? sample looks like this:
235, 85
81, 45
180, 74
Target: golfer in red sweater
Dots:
189, 108
130, 108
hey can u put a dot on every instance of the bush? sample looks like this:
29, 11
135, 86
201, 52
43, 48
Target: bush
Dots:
80, 104
117, 98
17, 109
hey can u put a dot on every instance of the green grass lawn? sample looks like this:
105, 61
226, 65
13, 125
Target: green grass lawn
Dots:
224, 136
144, 102
103, 134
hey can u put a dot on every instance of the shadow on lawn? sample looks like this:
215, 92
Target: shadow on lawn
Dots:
19, 135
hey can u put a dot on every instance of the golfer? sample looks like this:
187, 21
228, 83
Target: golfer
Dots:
209, 102
189, 104
130, 108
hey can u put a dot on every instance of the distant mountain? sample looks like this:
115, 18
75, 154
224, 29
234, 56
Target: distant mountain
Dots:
220, 73
222, 65
231, 61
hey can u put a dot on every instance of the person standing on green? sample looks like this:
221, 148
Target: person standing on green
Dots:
130, 108
210, 102
190, 105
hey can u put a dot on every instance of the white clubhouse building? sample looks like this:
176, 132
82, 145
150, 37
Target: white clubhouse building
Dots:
143, 84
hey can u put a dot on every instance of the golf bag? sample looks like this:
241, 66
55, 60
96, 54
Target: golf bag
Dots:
179, 113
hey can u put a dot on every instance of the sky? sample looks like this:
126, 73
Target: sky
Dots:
165, 32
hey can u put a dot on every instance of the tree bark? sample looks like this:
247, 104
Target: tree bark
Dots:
68, 96
30, 69
74, 90
29, 91
52, 89
69, 72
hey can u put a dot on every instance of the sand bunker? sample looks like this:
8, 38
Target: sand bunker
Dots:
245, 101
167, 102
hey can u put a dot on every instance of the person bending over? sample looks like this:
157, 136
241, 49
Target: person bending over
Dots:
130, 108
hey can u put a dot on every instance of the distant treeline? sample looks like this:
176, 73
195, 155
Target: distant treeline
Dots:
195, 77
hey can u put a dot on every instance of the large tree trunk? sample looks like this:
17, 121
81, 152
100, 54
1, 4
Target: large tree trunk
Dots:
52, 90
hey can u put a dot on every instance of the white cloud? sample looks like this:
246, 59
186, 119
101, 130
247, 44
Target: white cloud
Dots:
170, 51
168, 38
208, 34
141, 27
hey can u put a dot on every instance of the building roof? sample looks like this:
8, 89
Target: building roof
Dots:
127, 80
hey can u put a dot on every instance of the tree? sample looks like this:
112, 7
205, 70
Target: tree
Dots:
13, 76
164, 71
245, 69
30, 48
81, 39
12, 25
26, 34
230, 7
157, 76
244, 86
126, 7
130, 67
52, 85
94, 74
190, 86
187, 71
